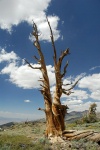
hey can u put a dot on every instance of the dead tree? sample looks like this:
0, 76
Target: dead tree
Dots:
55, 112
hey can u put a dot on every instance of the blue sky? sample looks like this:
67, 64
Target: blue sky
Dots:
75, 24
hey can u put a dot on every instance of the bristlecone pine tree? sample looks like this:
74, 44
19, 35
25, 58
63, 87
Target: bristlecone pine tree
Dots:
92, 113
55, 112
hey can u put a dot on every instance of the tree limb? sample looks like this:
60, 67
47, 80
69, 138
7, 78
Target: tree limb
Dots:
31, 65
41, 109
66, 93
63, 54
35, 58
66, 84
73, 85
63, 74
53, 44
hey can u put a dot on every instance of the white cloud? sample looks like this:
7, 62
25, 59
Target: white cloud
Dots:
27, 78
27, 101
95, 95
75, 100
78, 106
78, 94
14, 12
92, 82
72, 102
4, 56
71, 80
23, 76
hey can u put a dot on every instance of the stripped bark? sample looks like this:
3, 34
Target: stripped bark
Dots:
55, 112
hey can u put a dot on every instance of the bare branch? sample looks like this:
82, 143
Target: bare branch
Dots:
73, 85
35, 58
31, 65
63, 54
41, 109
66, 84
53, 44
41, 80
63, 74
43, 86
66, 93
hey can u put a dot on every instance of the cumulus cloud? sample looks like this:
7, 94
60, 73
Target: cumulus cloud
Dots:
80, 106
87, 89
95, 95
8, 57
14, 12
72, 102
71, 80
92, 82
77, 94
75, 100
22, 75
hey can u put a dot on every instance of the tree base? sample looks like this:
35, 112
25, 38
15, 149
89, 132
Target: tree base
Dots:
77, 135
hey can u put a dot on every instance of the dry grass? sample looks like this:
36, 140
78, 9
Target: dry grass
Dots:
30, 136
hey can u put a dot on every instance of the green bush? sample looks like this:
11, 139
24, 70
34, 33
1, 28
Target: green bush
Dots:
91, 118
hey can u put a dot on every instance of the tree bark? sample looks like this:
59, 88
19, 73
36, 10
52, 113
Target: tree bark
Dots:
55, 112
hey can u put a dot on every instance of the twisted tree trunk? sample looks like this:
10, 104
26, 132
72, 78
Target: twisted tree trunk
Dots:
55, 112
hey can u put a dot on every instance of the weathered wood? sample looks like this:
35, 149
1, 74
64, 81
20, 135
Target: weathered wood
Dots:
87, 134
82, 135
95, 137
75, 133
55, 112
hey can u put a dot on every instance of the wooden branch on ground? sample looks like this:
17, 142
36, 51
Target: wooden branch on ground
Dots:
87, 134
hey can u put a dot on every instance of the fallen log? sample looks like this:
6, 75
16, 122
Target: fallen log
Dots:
87, 134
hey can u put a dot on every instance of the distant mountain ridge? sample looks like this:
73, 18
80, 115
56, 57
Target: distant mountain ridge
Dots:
70, 117
74, 115
4, 120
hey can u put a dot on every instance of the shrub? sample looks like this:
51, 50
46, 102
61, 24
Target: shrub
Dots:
84, 144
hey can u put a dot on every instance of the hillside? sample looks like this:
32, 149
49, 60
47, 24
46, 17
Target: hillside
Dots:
30, 136
70, 117
74, 115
